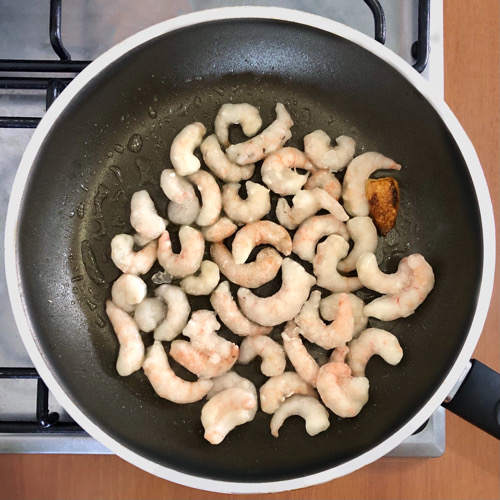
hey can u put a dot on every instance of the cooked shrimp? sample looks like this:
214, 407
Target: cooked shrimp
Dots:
149, 314
244, 114
226, 308
264, 232
189, 259
128, 291
272, 354
182, 150
373, 341
131, 353
318, 149
328, 307
307, 407
254, 207
226, 410
312, 230
278, 171
284, 304
280, 387
404, 303
128, 261
211, 204
219, 231
328, 255
313, 328
267, 142
251, 275
307, 203
166, 383
178, 310
364, 234
305, 365
357, 173
204, 282
344, 394
326, 180
228, 380
143, 216
220, 165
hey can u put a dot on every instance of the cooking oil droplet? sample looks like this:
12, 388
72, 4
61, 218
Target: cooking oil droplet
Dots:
197, 102
109, 154
72, 213
152, 112
135, 143
117, 172
90, 263
92, 305
99, 321
102, 194
219, 90
119, 148
80, 210
145, 171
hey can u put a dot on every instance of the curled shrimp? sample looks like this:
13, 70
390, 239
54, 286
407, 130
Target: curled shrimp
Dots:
318, 149
184, 206
243, 114
357, 173
220, 230
329, 306
143, 216
272, 354
260, 233
254, 207
267, 142
204, 282
211, 203
326, 180
284, 304
226, 308
166, 383
278, 171
131, 353
128, 291
128, 261
189, 259
227, 381
177, 315
182, 150
373, 341
149, 314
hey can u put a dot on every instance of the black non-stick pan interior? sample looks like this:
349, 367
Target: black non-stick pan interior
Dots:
114, 139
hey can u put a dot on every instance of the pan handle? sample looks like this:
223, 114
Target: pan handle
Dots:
477, 399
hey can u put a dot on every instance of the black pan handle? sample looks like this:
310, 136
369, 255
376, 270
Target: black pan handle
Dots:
477, 400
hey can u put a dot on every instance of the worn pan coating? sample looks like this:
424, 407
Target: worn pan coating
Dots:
90, 161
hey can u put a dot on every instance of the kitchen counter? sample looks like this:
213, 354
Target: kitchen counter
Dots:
470, 466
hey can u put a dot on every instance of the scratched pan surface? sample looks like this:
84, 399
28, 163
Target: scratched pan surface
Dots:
114, 138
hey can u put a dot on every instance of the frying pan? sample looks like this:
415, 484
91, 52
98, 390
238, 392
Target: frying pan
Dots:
108, 135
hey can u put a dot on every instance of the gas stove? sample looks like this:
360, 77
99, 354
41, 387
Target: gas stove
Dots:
43, 47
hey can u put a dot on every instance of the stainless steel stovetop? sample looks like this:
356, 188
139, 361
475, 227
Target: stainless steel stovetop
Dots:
88, 29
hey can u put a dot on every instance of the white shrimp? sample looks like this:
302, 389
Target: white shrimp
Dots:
189, 259
305, 365
128, 261
267, 142
178, 310
211, 203
318, 149
204, 282
228, 380
312, 230
184, 206
254, 207
220, 165
263, 232
166, 383
328, 255
131, 353
149, 314
220, 230
226, 410
143, 216
278, 171
328, 307
226, 308
251, 275
284, 304
278, 388
272, 354
354, 183
207, 354
307, 203
404, 303
344, 394
326, 180
307, 407
364, 234
244, 114
128, 291
373, 341
313, 328
182, 150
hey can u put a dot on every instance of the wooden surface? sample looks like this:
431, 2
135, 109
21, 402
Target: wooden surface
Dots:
470, 467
